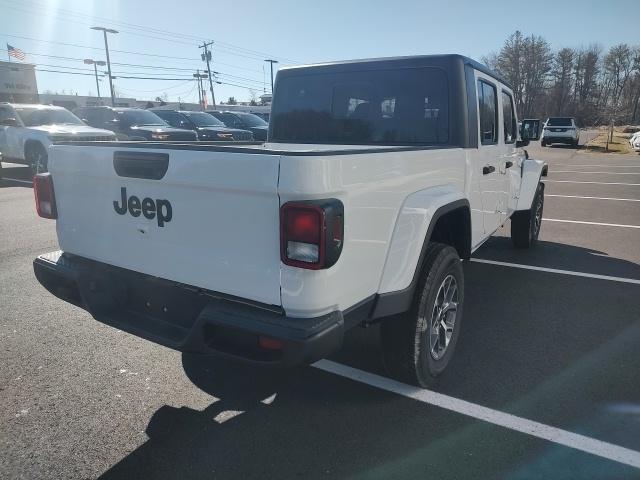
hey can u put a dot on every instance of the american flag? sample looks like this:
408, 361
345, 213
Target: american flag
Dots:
15, 52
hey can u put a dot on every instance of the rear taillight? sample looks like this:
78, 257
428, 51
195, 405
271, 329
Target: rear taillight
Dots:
45, 198
311, 233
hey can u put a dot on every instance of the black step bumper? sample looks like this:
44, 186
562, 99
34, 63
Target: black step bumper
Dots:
187, 318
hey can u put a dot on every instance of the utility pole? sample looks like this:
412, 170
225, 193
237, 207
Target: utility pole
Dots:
95, 63
271, 62
106, 48
206, 56
199, 76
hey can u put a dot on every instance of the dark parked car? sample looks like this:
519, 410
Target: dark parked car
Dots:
206, 126
246, 121
133, 124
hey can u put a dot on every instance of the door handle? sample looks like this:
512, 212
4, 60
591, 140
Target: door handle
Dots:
487, 169
508, 164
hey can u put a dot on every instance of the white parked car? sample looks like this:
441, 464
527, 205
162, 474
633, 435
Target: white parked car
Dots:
27, 131
377, 178
634, 141
560, 130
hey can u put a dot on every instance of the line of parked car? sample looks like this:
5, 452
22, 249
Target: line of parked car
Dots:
27, 130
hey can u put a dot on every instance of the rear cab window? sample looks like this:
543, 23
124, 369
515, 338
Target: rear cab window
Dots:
402, 106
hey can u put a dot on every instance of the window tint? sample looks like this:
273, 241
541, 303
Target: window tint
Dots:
559, 122
251, 120
508, 118
202, 119
105, 115
139, 117
377, 107
5, 113
88, 114
230, 120
488, 108
174, 119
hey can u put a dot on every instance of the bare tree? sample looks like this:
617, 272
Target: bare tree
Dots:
562, 73
618, 65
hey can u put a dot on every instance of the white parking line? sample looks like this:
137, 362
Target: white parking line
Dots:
583, 165
529, 427
594, 198
596, 183
604, 173
590, 223
555, 270
27, 182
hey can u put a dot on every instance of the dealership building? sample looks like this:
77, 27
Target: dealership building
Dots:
18, 83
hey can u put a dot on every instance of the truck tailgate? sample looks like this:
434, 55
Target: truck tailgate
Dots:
203, 218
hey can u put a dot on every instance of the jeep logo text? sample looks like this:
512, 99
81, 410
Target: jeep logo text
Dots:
160, 209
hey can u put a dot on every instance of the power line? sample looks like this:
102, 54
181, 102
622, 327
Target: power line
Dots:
226, 45
127, 52
144, 66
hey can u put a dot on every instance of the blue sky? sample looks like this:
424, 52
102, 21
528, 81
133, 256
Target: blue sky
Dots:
248, 31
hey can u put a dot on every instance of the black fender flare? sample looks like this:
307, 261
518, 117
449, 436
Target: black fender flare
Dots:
392, 303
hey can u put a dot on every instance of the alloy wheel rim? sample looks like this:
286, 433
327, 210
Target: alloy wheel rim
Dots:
443, 317
538, 219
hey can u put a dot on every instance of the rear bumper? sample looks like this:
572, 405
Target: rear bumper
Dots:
186, 318
559, 137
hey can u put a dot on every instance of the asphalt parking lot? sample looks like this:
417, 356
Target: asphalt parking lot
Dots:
544, 383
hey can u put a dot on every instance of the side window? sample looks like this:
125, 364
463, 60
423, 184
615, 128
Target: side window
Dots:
172, 118
5, 113
231, 120
508, 118
91, 116
488, 109
103, 115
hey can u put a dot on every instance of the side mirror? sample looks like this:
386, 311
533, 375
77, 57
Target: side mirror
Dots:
530, 130
9, 122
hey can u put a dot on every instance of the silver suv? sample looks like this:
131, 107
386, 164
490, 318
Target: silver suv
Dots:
560, 130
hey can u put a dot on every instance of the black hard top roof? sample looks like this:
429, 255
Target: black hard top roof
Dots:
406, 61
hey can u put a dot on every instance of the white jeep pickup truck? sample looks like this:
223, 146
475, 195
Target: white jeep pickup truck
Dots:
377, 178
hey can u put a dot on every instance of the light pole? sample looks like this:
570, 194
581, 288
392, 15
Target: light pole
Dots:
271, 62
106, 48
95, 63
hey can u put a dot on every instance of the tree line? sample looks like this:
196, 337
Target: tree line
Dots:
588, 83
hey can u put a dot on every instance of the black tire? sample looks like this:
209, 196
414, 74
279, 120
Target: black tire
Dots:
36, 157
525, 224
543, 143
406, 338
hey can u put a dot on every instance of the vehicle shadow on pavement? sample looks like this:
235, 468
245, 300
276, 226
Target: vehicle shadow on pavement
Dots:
14, 172
559, 256
274, 424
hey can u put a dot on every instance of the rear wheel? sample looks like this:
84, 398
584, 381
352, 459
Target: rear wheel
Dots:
36, 157
525, 224
543, 143
418, 345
